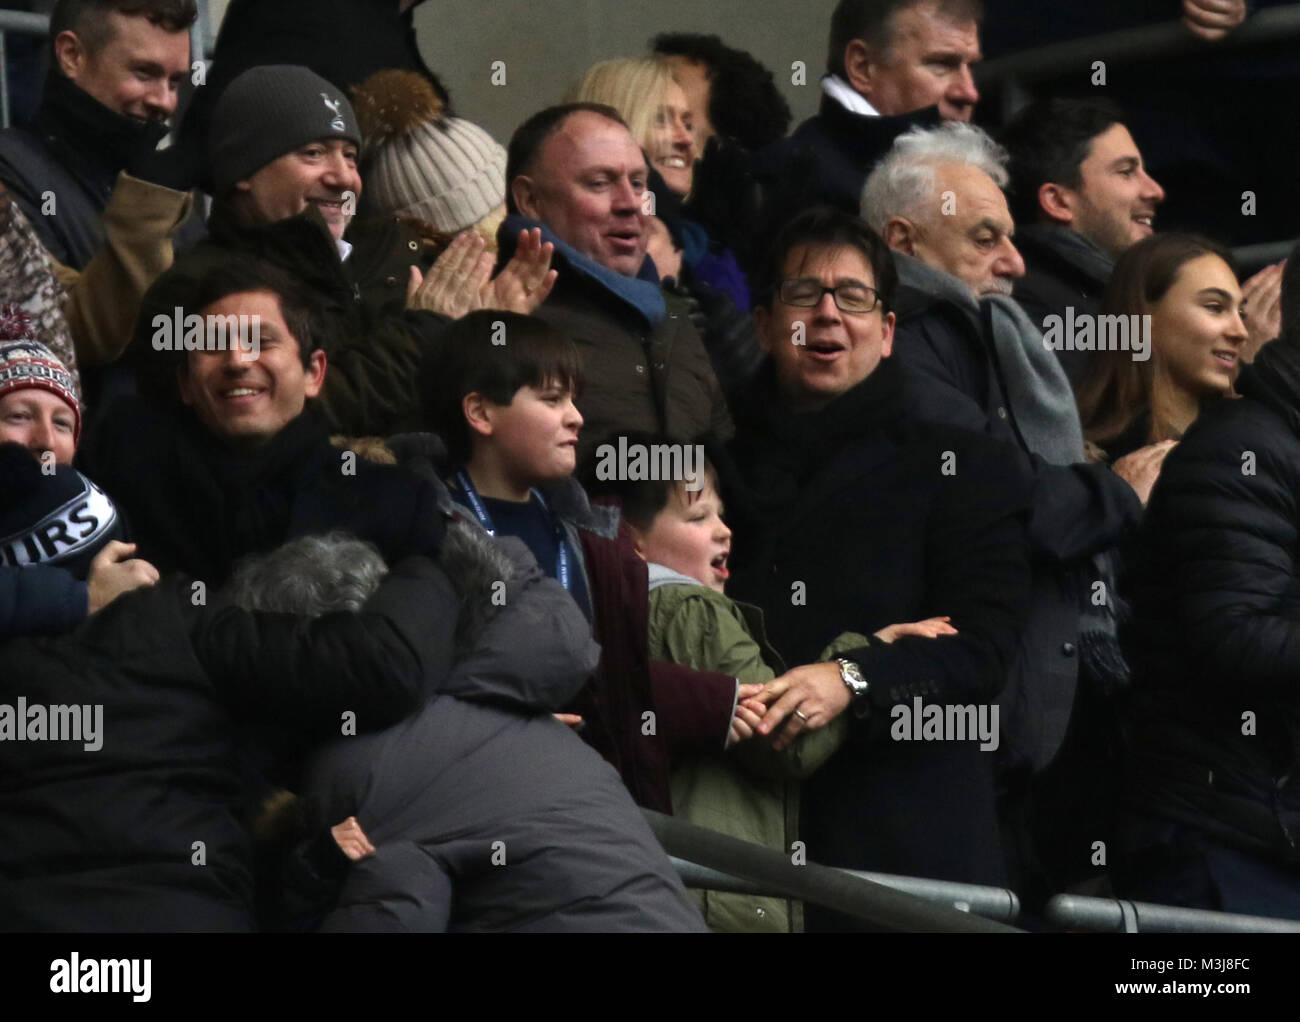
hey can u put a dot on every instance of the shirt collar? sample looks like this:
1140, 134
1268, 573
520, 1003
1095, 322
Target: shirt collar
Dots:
840, 91
345, 250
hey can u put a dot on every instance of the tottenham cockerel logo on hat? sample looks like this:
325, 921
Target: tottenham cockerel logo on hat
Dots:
338, 124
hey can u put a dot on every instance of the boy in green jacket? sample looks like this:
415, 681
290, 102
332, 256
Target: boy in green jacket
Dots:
743, 789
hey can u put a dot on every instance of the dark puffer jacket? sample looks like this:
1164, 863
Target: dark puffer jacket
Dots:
133, 826
1213, 729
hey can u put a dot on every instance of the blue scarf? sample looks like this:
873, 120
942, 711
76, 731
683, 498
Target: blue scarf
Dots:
640, 292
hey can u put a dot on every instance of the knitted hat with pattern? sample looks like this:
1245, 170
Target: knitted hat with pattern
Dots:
28, 364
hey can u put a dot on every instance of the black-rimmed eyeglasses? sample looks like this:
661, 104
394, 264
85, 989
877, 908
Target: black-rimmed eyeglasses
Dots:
850, 296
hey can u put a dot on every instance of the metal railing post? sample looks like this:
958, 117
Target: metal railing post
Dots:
4, 82
26, 24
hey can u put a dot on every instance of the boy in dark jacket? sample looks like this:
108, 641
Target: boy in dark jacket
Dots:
501, 394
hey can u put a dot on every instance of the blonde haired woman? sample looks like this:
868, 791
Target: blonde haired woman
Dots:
648, 98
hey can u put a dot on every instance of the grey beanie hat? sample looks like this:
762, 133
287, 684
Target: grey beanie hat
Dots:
421, 163
272, 110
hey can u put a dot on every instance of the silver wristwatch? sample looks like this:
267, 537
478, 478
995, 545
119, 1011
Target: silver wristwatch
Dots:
851, 675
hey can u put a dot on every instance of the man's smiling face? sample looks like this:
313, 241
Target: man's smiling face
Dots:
248, 401
321, 174
821, 352
137, 73
1116, 203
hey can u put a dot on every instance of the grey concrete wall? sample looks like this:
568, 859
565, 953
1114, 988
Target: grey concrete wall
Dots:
546, 44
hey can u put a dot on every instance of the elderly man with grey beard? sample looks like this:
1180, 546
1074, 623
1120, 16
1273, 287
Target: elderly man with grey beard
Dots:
973, 358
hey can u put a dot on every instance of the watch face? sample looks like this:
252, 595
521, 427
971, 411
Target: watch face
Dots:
852, 676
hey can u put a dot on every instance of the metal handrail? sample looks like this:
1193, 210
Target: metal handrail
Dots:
1250, 258
997, 903
1110, 915
1146, 43
882, 907
24, 23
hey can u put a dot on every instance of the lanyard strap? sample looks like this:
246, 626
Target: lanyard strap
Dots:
562, 570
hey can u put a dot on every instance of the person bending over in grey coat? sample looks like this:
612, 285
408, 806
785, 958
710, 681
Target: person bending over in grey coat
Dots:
486, 817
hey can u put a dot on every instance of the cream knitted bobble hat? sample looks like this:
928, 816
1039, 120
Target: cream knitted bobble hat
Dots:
419, 163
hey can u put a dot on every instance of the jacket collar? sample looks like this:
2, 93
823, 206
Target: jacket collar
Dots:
922, 285
292, 452
640, 293
863, 136
799, 445
664, 576
101, 137
1069, 247
303, 242
1273, 379
426, 454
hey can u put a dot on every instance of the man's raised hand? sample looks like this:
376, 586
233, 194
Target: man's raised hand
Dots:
461, 281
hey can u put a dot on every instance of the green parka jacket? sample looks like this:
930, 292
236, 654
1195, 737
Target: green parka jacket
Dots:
748, 791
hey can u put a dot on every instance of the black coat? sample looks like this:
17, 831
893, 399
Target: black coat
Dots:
108, 837
1063, 269
197, 506
1216, 629
953, 376
74, 149
850, 509
826, 160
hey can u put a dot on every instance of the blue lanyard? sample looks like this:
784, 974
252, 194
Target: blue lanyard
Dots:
484, 519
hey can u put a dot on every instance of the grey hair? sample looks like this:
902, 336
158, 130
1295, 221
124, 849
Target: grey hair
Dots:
902, 183
310, 576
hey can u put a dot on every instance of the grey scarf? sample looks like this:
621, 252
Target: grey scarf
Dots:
1037, 387
1045, 411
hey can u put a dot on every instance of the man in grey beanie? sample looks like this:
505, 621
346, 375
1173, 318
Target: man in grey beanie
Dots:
309, 159
283, 155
